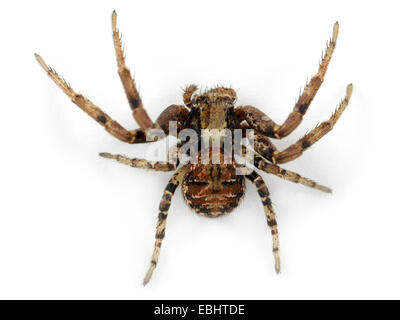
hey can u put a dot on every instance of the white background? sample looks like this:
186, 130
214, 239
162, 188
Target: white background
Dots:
74, 225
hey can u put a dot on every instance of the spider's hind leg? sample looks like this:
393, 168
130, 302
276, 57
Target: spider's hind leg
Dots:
162, 219
263, 192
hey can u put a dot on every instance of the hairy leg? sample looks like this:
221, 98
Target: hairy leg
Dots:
264, 146
86, 105
142, 163
295, 150
162, 219
263, 165
176, 113
261, 122
274, 169
263, 192
135, 102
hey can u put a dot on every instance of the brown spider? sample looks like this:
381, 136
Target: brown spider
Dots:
213, 189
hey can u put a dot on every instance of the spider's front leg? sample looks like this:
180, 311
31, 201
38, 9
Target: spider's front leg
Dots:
172, 113
86, 105
135, 102
266, 148
261, 122
296, 150
162, 219
263, 192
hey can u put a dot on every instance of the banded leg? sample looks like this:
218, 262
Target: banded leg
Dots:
266, 148
261, 122
135, 102
86, 105
162, 219
295, 150
263, 165
142, 163
263, 192
176, 113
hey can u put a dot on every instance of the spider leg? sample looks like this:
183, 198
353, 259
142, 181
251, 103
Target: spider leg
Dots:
173, 112
309, 92
171, 165
274, 169
264, 146
135, 102
162, 219
86, 105
176, 113
263, 165
295, 150
142, 163
263, 192
261, 122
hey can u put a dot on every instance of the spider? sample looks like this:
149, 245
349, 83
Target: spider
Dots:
213, 189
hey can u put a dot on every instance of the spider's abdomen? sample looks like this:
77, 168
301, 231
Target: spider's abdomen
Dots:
213, 190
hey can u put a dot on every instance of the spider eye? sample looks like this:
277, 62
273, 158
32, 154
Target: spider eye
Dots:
202, 100
227, 99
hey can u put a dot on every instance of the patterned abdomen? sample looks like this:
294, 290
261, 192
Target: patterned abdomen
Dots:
213, 190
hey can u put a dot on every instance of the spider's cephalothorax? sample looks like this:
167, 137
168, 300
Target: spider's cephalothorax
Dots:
211, 111
217, 109
215, 188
